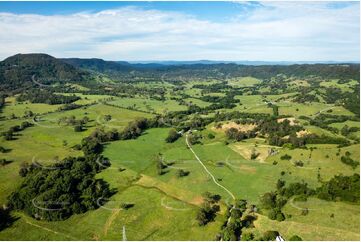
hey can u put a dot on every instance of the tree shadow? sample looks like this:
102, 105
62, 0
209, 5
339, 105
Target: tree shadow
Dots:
6, 219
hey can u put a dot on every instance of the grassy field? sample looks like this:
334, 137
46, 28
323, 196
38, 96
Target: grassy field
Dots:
149, 105
165, 206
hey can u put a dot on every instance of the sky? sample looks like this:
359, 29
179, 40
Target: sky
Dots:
142, 31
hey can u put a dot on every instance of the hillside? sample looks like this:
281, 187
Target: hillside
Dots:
16, 72
122, 70
98, 65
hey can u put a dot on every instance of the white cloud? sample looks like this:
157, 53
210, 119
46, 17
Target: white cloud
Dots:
275, 31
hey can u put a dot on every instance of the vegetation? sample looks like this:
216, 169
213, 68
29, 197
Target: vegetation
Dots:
89, 137
68, 188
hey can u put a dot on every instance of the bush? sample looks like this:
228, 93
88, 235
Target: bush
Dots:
173, 135
286, 157
269, 236
182, 173
247, 236
206, 213
347, 160
211, 136
78, 128
295, 238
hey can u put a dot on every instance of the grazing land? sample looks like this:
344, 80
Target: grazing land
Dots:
159, 151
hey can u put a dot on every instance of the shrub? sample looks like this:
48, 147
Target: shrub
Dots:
286, 157
173, 135
295, 238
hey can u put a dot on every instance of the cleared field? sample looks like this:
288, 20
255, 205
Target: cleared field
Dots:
18, 109
47, 140
149, 105
165, 205
243, 81
346, 87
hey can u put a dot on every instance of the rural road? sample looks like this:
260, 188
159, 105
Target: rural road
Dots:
209, 173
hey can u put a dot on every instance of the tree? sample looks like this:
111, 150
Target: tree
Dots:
268, 200
295, 238
182, 173
211, 136
78, 128
254, 154
247, 236
173, 135
107, 117
270, 235
206, 213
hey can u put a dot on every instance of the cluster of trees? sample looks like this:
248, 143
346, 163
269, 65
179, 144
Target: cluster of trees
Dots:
208, 211
173, 135
93, 144
274, 201
16, 72
349, 161
305, 97
323, 139
231, 229
346, 130
10, 133
72, 121
69, 187
219, 102
45, 96
215, 87
350, 100
194, 138
323, 120
340, 187
135, 128
273, 127
69, 106
238, 135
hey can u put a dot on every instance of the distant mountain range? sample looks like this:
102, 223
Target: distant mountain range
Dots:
18, 71
249, 63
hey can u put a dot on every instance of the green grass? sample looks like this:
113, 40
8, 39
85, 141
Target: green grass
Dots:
165, 205
243, 81
149, 105
18, 109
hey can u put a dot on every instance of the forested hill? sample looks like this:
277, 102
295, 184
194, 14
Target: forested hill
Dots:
99, 65
18, 71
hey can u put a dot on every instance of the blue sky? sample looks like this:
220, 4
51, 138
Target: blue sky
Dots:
264, 31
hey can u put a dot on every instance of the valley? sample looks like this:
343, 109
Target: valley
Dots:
189, 152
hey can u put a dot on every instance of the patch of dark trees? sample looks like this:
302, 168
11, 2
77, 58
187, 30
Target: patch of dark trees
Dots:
350, 100
61, 190
46, 96
347, 160
16, 72
173, 135
208, 210
338, 188
13, 131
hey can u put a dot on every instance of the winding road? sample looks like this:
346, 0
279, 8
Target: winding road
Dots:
209, 173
